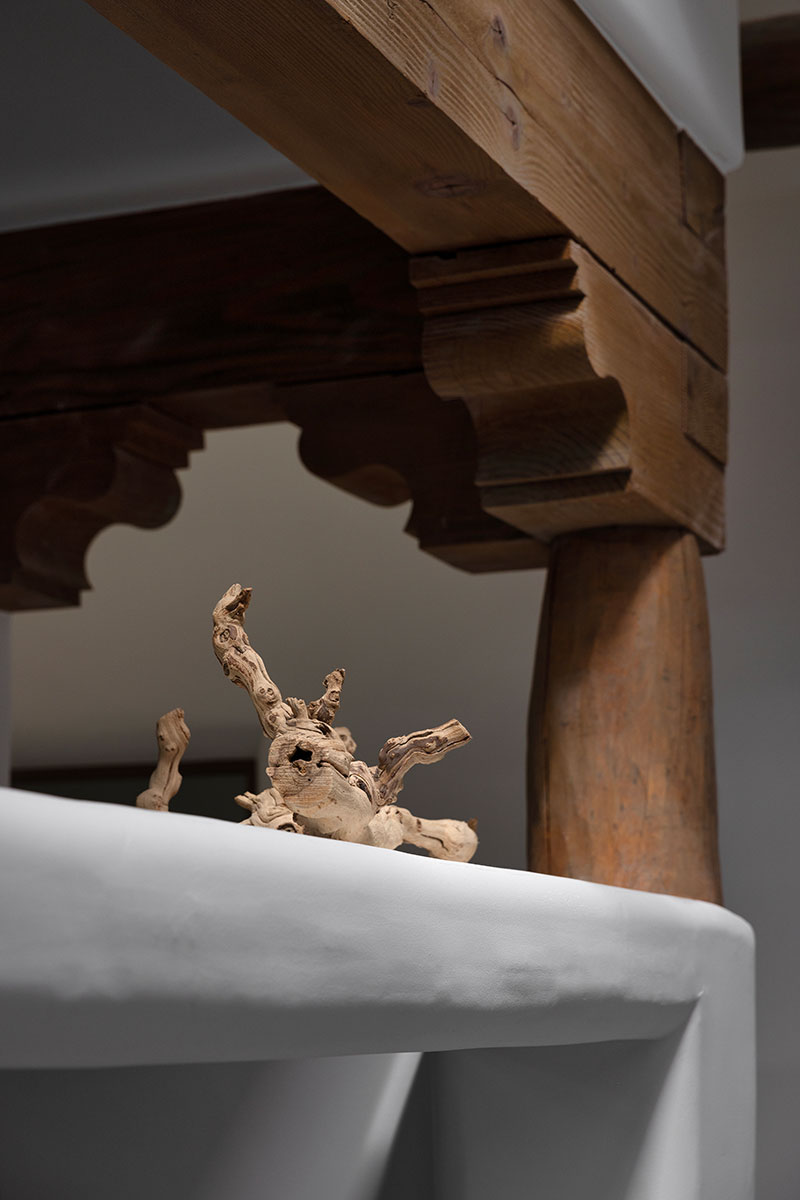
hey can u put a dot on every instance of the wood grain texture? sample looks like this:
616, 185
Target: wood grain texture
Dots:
172, 736
545, 95
65, 478
304, 78
771, 82
390, 439
703, 191
621, 750
318, 787
588, 410
451, 124
210, 301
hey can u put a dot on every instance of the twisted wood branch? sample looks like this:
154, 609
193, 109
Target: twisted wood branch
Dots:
400, 754
242, 665
318, 787
172, 734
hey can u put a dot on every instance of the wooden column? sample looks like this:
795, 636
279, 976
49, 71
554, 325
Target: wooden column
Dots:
602, 434
621, 766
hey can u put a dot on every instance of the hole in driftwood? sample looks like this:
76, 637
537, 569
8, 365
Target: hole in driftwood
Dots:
300, 752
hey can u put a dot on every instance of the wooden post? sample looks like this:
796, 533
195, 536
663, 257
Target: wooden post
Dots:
621, 766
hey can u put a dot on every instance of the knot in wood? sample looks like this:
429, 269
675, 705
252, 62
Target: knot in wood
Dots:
498, 29
450, 186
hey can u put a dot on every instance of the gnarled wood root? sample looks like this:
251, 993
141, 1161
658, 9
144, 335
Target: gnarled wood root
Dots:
172, 734
392, 826
267, 811
318, 787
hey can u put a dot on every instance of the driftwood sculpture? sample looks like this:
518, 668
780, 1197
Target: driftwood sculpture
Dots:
318, 786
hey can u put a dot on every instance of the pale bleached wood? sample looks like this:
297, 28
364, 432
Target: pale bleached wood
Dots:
267, 811
242, 665
400, 754
327, 706
318, 787
172, 735
454, 840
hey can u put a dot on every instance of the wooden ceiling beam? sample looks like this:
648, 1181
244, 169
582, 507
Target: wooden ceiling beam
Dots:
214, 301
771, 82
450, 125
125, 339
587, 411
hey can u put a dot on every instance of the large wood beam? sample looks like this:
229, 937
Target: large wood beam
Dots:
453, 123
216, 299
771, 82
588, 411
124, 339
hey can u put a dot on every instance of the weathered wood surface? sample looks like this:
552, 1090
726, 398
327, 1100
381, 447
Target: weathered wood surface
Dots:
306, 80
771, 82
172, 735
588, 410
318, 787
621, 768
390, 439
209, 304
451, 124
67, 476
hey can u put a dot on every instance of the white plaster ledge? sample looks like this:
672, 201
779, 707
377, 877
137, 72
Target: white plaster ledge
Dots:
136, 937
132, 937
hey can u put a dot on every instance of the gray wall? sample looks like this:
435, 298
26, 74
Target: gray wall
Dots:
754, 591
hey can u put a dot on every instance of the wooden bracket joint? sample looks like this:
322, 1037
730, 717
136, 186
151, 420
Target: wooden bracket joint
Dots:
588, 410
66, 477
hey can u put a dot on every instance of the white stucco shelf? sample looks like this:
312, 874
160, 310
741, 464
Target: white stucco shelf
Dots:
137, 937
130, 938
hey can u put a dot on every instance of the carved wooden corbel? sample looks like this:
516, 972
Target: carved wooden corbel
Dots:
601, 431
67, 476
588, 410
389, 439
